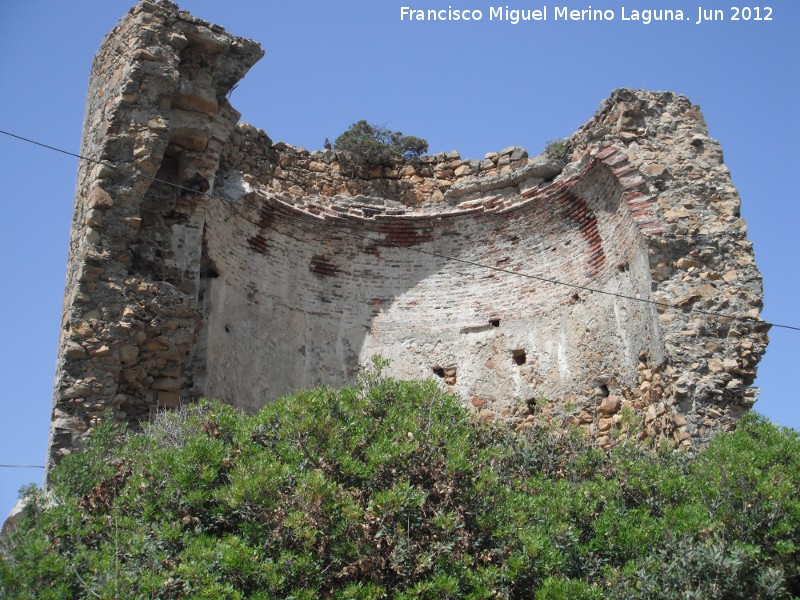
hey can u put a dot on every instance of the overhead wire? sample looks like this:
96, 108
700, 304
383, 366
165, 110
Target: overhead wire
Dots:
754, 320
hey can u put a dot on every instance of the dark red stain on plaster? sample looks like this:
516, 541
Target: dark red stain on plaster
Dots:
321, 266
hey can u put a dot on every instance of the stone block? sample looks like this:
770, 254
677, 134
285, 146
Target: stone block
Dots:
128, 353
168, 384
610, 406
170, 400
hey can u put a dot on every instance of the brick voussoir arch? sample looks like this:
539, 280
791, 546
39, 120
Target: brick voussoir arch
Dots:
600, 211
642, 207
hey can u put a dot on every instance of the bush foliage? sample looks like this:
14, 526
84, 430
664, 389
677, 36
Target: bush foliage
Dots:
389, 489
374, 144
559, 149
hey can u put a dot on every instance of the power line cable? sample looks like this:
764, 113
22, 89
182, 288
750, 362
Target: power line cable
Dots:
754, 320
21, 467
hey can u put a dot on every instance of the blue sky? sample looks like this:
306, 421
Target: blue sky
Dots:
475, 87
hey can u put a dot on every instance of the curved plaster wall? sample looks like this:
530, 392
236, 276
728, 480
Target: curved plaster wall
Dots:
300, 299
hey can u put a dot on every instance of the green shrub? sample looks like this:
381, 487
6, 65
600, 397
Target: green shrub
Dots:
374, 144
388, 489
559, 149
703, 569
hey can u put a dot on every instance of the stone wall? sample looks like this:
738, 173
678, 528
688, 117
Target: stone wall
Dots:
700, 261
156, 108
207, 260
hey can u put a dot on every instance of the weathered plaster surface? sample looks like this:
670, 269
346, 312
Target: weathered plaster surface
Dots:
271, 268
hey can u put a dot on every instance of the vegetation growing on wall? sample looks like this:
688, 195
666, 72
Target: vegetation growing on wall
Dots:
390, 489
559, 149
375, 144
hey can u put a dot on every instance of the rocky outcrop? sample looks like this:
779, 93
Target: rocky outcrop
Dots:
616, 293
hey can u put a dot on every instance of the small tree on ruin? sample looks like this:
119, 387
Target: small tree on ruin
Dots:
375, 144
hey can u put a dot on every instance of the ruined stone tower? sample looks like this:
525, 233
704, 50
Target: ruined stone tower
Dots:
207, 260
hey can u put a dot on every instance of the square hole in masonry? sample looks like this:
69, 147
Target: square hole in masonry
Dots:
519, 356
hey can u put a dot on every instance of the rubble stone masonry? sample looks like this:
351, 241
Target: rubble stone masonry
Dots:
206, 260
